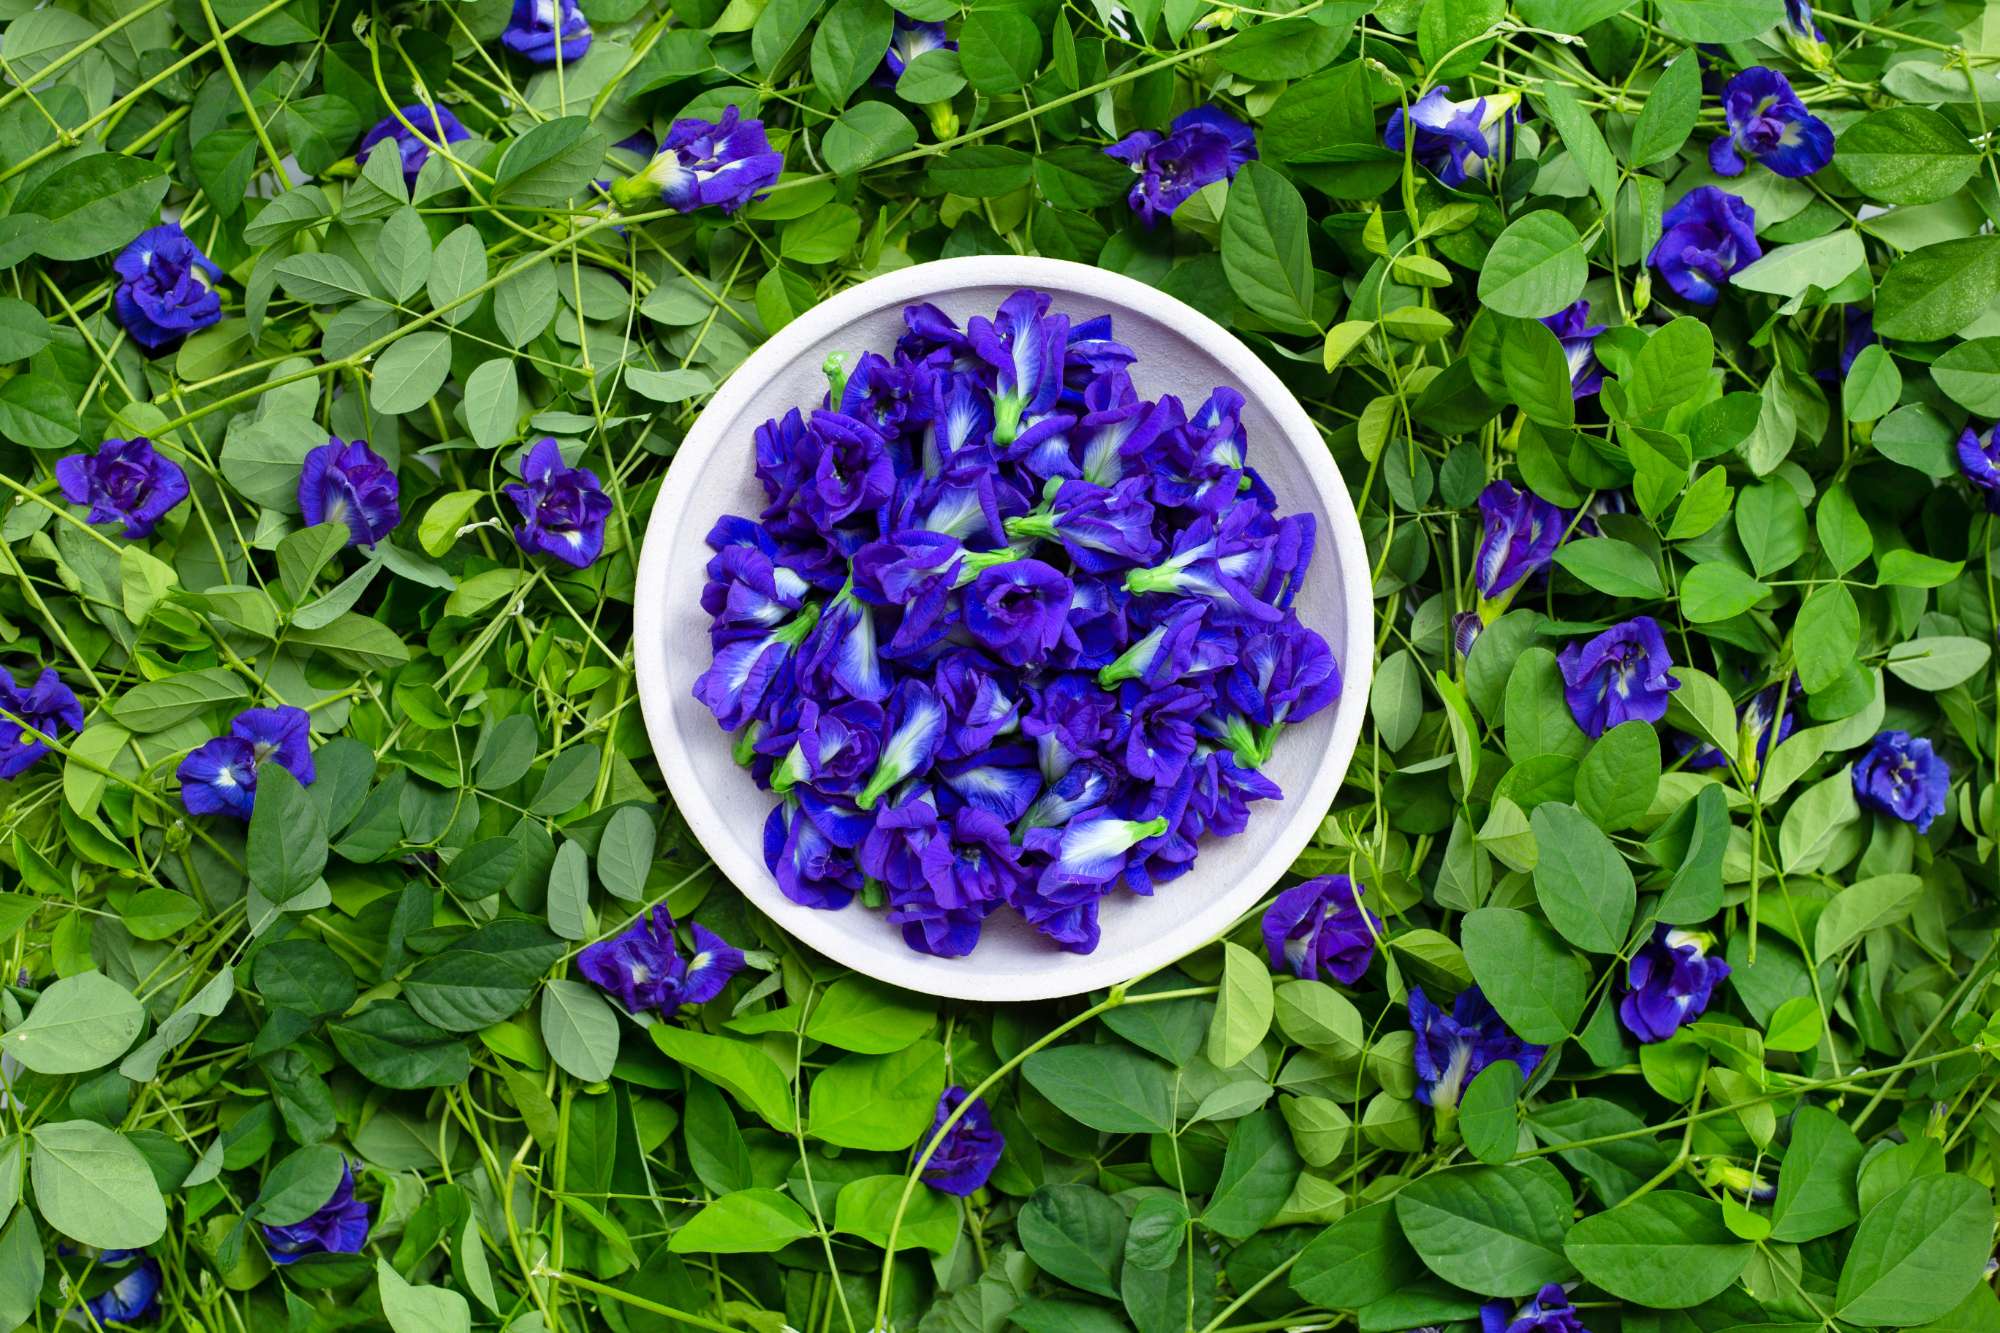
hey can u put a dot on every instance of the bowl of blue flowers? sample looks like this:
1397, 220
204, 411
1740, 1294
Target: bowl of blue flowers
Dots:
1003, 628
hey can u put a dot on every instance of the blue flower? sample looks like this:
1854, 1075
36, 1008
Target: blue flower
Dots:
1979, 461
722, 164
1202, 146
125, 481
1283, 675
810, 849
545, 30
1220, 794
1070, 720
835, 749
1453, 140
915, 724
1670, 981
963, 1159
1705, 237
48, 706
339, 1226
219, 777
1466, 628
910, 40
1320, 928
1453, 1047
1520, 535
413, 131
839, 659
852, 474
977, 703
562, 508
1159, 727
134, 1296
1016, 610
1578, 336
1086, 859
1003, 782
1619, 676
1101, 528
642, 966
1548, 1311
943, 878
1022, 349
1901, 776
351, 484
1799, 22
165, 288
749, 670
1769, 123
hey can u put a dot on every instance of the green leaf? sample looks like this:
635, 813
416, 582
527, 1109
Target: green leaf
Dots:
551, 164
23, 331
1873, 384
1771, 524
934, 76
1668, 117
1788, 270
1243, 1007
1825, 636
1970, 375
1536, 371
1816, 1180
1721, 20
742, 1069
1489, 1113
1938, 662
864, 135
868, 1207
848, 45
1906, 155
859, 1014
1109, 1088
1583, 139
1536, 984
409, 373
1665, 1250
580, 1030
285, 851
879, 1102
1916, 1254
94, 1186
1535, 268
1357, 1261
1259, 1170
159, 704
1938, 290
79, 1023
1494, 1230
1000, 50
1714, 591
1583, 884
1615, 567
1264, 248
1912, 569
1075, 1234
1619, 776
1868, 904
92, 204
420, 1309
749, 1221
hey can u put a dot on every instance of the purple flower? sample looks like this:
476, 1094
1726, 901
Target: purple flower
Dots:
1219, 796
1283, 675
1670, 980
809, 848
165, 288
1022, 347
1619, 676
1978, 460
1769, 123
340, 1226
1453, 1047
839, 659
963, 1159
915, 724
1859, 328
1578, 336
1101, 529
851, 470
219, 777
977, 705
910, 40
1069, 719
1466, 628
1900, 775
943, 877
1549, 1311
125, 481
1159, 730
1202, 146
1086, 860
835, 750
1003, 782
1706, 236
562, 508
134, 1296
749, 671
544, 30
1453, 140
724, 164
1320, 928
48, 706
1016, 610
1521, 533
1799, 22
351, 484
642, 966
413, 131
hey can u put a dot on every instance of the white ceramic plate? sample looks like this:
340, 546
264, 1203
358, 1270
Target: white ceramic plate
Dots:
1181, 351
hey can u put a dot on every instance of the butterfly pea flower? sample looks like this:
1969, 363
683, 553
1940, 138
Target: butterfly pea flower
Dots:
642, 967
979, 703
165, 288
1021, 347
835, 750
1069, 719
852, 471
1754, 727
1003, 782
963, 1157
1220, 794
840, 655
133, 1296
1769, 124
1619, 676
1858, 328
908, 40
1466, 627
916, 570
1160, 730
1520, 533
1224, 561
1979, 463
219, 776
914, 726
562, 509
338, 1226
1283, 675
1082, 786
545, 31
1100, 528
351, 484
125, 481
722, 164
884, 394
27, 713
1116, 432
1016, 610
412, 133
810, 849
748, 590
1578, 337
1901, 776
1669, 983
1098, 628
1452, 1048
1165, 653
1705, 237
1201, 147
1548, 1311
1086, 860
747, 671
943, 877
1452, 140
1319, 928
1092, 356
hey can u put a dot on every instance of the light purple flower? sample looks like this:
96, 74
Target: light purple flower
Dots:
545, 31
1705, 237
1453, 1047
722, 164
1016, 610
166, 288
1548, 1311
1668, 983
964, 1158
1767, 122
1979, 463
1520, 534
1901, 776
1578, 336
1453, 140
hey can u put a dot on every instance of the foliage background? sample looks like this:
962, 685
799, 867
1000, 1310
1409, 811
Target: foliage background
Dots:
1209, 1149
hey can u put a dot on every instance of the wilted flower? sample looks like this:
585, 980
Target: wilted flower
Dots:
964, 1158
1453, 1047
1670, 981
48, 706
1466, 627
562, 508
643, 968
1705, 237
1619, 676
413, 131
1453, 140
166, 288
723, 163
1578, 336
134, 1296
1903, 777
125, 481
351, 484
219, 777
547, 30
339, 1226
1548, 1311
1520, 534
1769, 123
1320, 928
1202, 146
1979, 462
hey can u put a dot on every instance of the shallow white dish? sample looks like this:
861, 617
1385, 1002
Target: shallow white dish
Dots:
1181, 351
